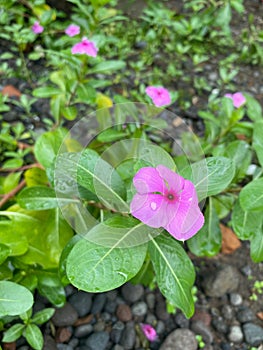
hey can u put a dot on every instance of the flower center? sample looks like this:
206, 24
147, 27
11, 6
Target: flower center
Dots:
170, 196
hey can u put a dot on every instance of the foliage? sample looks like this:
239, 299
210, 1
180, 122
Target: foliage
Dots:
66, 194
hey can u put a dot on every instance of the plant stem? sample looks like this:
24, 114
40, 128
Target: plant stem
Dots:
12, 193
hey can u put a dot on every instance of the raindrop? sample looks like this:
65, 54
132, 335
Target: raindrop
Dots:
153, 206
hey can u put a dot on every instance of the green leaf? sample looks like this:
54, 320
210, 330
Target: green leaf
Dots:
207, 242
34, 336
111, 135
48, 145
4, 252
69, 113
254, 109
245, 223
210, 176
124, 231
11, 181
46, 92
14, 299
174, 272
86, 93
13, 333
94, 268
251, 196
12, 163
258, 140
41, 198
107, 67
35, 177
50, 286
43, 316
239, 152
256, 246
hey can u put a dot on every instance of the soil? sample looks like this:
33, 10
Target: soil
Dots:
216, 313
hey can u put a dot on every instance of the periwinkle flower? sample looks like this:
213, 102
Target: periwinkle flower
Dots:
165, 199
149, 331
238, 99
37, 28
159, 95
85, 47
72, 30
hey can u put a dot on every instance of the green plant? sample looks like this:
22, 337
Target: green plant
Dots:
201, 343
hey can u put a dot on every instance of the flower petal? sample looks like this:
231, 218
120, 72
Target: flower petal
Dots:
148, 180
173, 180
150, 209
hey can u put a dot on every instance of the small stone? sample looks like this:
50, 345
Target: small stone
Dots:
245, 314
98, 340
181, 320
24, 347
236, 299
61, 346
160, 327
74, 342
226, 346
139, 309
161, 311
83, 330
253, 334
63, 334
65, 316
150, 300
246, 270
118, 347
227, 312
128, 336
98, 303
220, 325
180, 339
116, 331
110, 306
223, 280
235, 335
132, 293
81, 301
150, 319
112, 295
200, 328
49, 343
124, 313
213, 76
202, 315
105, 316
99, 326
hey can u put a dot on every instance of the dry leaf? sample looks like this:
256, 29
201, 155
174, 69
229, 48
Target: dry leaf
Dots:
10, 90
230, 242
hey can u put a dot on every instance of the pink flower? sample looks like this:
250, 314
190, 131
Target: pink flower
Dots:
37, 28
72, 30
149, 331
238, 99
159, 95
165, 199
85, 47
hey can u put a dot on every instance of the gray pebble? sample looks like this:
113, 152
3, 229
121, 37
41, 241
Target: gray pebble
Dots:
49, 343
236, 299
98, 303
112, 294
105, 316
235, 335
181, 320
220, 325
246, 270
65, 316
160, 327
150, 300
74, 342
83, 330
245, 314
98, 340
139, 309
227, 312
81, 301
116, 331
161, 311
150, 319
180, 339
99, 326
128, 336
25, 347
118, 347
198, 327
223, 280
132, 293
253, 334
61, 346
110, 306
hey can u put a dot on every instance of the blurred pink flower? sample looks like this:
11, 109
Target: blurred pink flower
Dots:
85, 47
37, 28
149, 332
159, 95
72, 30
165, 199
238, 99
